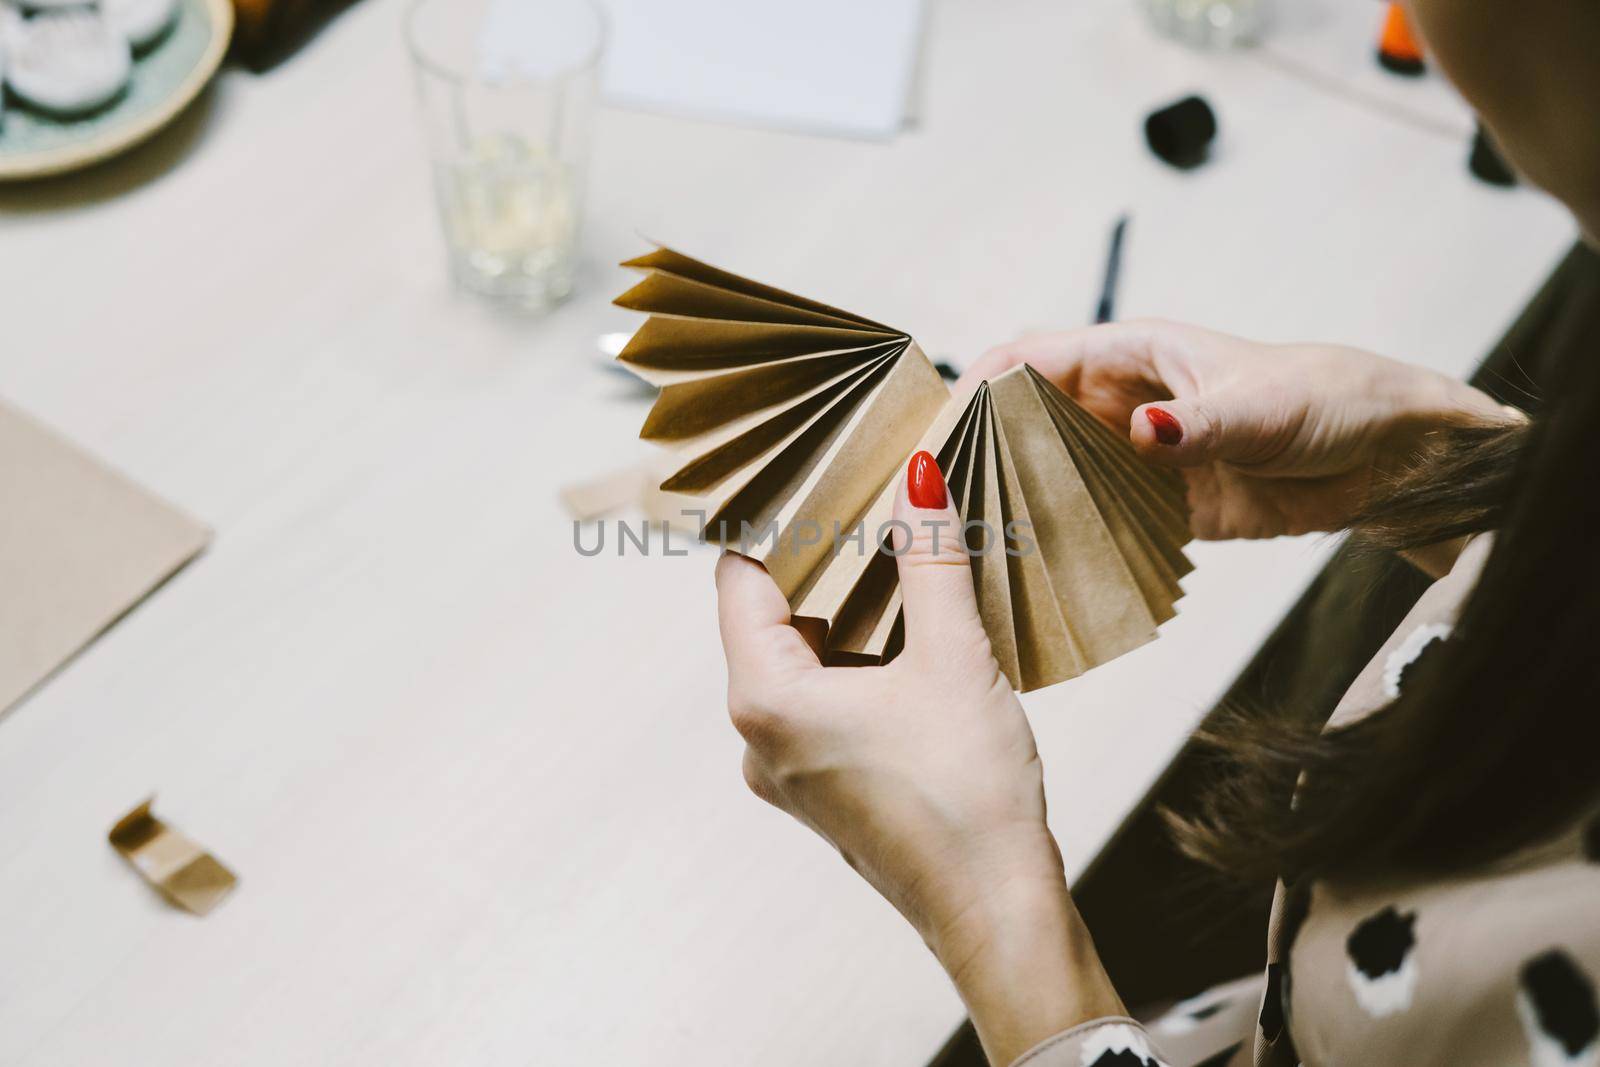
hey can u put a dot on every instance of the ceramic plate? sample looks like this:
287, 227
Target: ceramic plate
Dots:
165, 80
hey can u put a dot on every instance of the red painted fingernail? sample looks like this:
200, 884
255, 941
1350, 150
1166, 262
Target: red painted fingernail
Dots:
924, 482
1168, 432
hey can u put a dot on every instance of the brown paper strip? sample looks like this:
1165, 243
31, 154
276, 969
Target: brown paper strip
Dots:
598, 497
665, 259
181, 870
671, 294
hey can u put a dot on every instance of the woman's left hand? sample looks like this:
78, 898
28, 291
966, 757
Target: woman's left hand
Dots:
924, 775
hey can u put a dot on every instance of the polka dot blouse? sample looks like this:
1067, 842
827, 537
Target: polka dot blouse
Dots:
1489, 968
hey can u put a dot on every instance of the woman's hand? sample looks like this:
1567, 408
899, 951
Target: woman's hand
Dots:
924, 775
1272, 439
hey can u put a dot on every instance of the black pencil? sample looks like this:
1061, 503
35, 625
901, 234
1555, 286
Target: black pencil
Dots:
1106, 310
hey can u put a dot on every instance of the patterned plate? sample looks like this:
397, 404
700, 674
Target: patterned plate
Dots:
165, 80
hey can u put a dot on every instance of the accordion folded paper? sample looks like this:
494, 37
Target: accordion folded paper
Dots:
793, 421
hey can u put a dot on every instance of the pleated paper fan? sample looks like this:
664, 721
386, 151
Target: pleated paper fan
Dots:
794, 420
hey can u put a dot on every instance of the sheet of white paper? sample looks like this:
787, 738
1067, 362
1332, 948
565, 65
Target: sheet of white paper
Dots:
840, 67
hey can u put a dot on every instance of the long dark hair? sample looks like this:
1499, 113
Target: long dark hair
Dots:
1494, 741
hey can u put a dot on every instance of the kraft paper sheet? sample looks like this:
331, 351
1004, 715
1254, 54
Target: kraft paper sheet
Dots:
80, 545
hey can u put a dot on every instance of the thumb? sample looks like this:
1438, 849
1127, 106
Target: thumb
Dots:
941, 609
1190, 431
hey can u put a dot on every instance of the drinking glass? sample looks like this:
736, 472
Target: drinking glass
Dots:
507, 90
1209, 23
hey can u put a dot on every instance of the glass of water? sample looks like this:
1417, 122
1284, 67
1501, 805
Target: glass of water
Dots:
507, 90
1209, 23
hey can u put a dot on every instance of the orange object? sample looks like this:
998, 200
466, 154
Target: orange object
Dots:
1398, 48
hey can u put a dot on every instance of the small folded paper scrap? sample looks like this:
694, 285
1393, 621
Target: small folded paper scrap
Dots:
181, 870
633, 486
792, 420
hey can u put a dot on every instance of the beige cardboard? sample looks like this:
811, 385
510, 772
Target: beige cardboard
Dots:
181, 870
789, 415
80, 546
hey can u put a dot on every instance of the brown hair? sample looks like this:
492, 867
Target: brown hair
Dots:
1494, 741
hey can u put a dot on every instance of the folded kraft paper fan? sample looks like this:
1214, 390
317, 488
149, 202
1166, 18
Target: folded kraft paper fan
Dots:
794, 420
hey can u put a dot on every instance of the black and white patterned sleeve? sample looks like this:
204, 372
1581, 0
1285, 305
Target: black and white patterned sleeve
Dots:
1114, 1041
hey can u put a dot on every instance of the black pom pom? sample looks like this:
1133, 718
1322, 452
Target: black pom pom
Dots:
1410, 66
1486, 162
1181, 133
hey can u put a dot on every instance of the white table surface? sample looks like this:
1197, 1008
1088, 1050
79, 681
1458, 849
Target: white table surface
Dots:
481, 791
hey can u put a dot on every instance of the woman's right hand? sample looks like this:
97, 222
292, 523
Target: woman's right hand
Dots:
1272, 439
